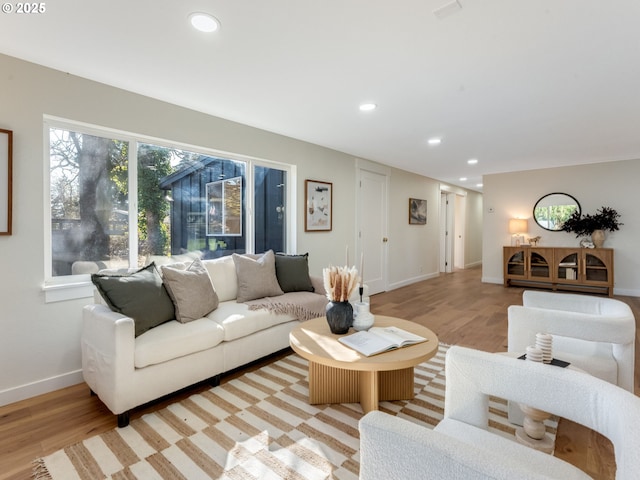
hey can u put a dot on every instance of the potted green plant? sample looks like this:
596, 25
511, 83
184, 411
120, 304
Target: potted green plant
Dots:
605, 219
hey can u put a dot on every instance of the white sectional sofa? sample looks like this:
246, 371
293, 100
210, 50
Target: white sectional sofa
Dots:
127, 367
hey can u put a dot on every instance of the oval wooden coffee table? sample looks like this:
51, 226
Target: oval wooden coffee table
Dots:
339, 374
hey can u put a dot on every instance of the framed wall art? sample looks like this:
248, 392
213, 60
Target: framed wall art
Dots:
417, 211
6, 152
318, 202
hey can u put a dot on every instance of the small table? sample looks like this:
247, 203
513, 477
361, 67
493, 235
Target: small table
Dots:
532, 433
339, 374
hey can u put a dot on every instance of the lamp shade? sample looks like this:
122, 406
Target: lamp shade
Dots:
518, 225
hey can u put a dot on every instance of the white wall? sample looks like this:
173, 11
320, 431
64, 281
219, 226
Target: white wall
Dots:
39, 345
610, 184
413, 248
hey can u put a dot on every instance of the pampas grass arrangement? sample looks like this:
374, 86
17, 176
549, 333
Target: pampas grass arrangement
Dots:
339, 282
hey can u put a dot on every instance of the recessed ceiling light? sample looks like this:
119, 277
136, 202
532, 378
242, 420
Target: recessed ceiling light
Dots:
434, 141
478, 185
204, 22
367, 107
472, 161
463, 179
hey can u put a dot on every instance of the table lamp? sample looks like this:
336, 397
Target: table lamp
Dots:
517, 228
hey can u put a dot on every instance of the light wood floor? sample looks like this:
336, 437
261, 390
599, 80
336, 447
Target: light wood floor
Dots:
457, 306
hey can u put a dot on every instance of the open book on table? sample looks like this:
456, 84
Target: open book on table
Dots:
380, 339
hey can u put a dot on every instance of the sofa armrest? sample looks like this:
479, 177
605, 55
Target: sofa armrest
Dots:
108, 350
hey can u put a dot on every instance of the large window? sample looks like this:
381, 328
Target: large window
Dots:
119, 201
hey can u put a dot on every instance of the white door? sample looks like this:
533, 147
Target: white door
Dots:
443, 232
372, 228
447, 211
460, 209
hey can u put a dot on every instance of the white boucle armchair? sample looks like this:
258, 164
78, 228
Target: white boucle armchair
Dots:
595, 334
461, 446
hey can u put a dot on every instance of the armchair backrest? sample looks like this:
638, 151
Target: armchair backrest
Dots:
473, 376
576, 303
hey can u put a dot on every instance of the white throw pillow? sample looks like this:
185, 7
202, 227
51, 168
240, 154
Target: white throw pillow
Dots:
256, 278
191, 290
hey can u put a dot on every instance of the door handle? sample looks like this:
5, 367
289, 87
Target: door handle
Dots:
385, 239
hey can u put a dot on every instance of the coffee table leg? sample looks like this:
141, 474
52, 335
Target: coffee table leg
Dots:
332, 385
335, 385
397, 384
369, 391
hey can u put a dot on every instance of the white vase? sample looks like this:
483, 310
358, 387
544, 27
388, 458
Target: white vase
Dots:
363, 319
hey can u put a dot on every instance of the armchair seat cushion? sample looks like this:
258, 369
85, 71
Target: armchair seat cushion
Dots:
174, 339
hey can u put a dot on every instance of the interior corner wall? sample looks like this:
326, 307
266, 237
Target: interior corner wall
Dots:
610, 184
473, 230
39, 345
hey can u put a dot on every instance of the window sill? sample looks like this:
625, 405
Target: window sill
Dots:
67, 291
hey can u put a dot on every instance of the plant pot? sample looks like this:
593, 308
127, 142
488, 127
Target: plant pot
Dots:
597, 237
339, 317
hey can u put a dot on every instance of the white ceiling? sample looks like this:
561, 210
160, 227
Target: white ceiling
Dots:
517, 84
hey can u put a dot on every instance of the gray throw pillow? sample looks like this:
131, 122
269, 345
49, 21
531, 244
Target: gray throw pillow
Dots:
256, 278
292, 272
191, 290
140, 295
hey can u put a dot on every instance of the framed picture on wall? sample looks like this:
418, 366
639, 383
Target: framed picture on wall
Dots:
417, 211
318, 206
6, 152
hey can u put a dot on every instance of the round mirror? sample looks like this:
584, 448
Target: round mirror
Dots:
552, 210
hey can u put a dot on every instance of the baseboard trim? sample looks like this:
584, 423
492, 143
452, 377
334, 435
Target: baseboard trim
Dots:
22, 392
626, 292
411, 281
492, 280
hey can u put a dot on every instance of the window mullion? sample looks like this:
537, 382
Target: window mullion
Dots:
132, 169
250, 199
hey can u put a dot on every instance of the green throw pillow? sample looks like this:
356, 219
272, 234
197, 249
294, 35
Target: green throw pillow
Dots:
292, 272
140, 295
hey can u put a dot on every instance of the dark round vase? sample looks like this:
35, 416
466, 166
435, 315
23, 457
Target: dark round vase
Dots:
339, 317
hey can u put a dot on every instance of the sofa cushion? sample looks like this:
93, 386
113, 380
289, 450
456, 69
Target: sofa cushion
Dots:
174, 339
239, 321
223, 276
292, 272
256, 278
139, 295
191, 290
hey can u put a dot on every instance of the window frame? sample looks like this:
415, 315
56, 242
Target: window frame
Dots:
68, 287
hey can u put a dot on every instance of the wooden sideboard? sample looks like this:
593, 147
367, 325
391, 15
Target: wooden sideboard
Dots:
560, 268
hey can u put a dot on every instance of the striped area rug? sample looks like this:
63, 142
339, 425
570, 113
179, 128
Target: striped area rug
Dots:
257, 426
